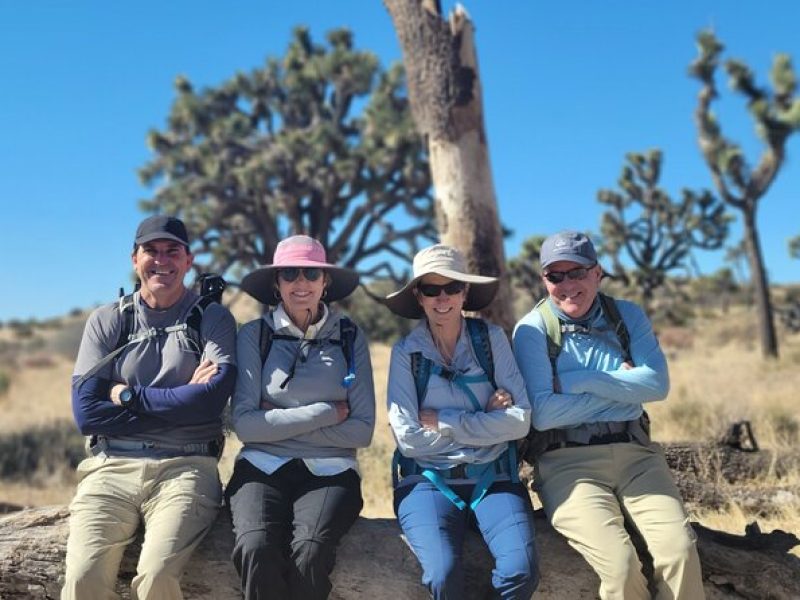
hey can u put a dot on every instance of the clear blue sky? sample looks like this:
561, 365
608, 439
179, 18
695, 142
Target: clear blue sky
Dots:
569, 88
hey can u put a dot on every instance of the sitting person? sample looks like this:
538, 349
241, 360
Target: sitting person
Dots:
590, 363
457, 404
153, 375
303, 403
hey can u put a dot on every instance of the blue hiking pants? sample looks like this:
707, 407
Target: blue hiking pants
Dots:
435, 527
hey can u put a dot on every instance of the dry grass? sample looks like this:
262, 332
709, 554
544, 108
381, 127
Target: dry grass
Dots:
717, 375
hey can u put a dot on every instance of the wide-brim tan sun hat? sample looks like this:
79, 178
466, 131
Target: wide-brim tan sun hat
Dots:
447, 262
298, 251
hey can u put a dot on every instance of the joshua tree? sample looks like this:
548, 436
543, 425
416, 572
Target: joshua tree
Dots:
777, 116
657, 233
286, 149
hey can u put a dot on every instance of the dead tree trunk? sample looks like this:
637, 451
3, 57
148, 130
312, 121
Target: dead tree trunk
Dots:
446, 100
373, 562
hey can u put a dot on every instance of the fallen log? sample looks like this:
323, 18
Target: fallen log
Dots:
373, 562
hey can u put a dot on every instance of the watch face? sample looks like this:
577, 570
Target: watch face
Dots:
126, 396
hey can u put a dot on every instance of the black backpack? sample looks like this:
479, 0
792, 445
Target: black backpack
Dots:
346, 341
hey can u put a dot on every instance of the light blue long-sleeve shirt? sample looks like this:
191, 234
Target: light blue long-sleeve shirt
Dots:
594, 386
465, 435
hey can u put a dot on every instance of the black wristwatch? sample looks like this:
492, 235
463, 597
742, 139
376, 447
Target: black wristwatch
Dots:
126, 396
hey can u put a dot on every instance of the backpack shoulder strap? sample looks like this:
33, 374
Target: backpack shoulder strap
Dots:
553, 327
482, 346
611, 311
265, 334
194, 322
126, 313
347, 337
421, 371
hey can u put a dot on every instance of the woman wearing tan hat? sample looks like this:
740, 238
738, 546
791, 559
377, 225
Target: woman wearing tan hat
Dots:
303, 403
457, 403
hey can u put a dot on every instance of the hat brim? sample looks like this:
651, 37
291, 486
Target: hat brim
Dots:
260, 284
576, 258
160, 235
481, 292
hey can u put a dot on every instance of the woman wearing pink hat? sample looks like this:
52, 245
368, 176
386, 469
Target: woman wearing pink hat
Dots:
304, 402
457, 405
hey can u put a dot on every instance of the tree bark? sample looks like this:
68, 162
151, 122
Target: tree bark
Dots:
769, 342
446, 100
373, 562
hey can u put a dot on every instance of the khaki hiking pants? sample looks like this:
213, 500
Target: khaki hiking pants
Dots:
587, 492
176, 499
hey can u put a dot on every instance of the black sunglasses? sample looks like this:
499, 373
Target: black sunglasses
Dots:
432, 290
575, 274
290, 274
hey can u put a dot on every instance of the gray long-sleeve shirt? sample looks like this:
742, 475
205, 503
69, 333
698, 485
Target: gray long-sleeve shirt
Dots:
304, 422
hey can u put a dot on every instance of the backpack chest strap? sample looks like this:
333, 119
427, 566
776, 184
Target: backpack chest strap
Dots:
462, 381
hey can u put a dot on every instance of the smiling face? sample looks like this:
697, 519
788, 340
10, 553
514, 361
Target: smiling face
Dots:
442, 310
301, 296
574, 297
161, 266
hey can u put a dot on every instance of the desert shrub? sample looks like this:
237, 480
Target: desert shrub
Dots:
21, 329
40, 451
676, 338
784, 425
38, 361
54, 323
5, 382
67, 339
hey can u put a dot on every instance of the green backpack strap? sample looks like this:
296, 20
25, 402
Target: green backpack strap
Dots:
553, 329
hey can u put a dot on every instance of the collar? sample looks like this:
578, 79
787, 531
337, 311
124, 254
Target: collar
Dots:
585, 320
281, 320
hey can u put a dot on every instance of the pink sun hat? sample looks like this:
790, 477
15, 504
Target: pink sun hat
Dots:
298, 251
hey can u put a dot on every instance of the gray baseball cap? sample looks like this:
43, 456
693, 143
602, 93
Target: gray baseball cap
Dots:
161, 227
568, 245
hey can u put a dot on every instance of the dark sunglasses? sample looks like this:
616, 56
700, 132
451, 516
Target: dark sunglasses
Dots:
290, 274
575, 274
431, 290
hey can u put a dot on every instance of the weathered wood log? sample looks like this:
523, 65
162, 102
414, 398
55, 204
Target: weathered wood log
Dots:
373, 562
713, 475
713, 462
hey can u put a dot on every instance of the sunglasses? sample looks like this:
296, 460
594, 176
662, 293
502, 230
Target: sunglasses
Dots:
575, 274
431, 290
290, 274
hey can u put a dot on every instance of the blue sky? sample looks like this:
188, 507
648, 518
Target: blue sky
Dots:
569, 88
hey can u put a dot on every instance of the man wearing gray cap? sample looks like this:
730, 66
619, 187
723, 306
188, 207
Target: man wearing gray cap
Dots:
153, 374
590, 363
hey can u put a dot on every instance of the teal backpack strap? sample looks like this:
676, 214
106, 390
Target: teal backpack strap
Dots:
482, 346
421, 371
435, 477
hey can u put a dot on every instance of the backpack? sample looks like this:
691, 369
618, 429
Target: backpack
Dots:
481, 345
536, 442
555, 328
211, 288
347, 338
421, 369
